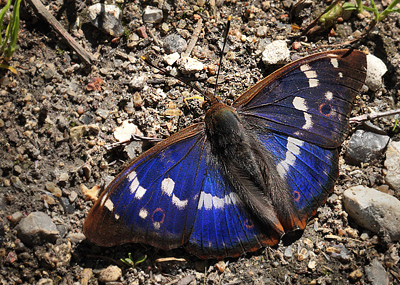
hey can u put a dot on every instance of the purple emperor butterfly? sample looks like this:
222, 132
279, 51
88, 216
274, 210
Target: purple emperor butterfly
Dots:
246, 176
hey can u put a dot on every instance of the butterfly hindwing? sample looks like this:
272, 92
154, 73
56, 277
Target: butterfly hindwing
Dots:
309, 99
222, 226
309, 170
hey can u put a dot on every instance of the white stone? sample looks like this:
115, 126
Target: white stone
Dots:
170, 59
110, 274
376, 68
106, 18
190, 65
96, 9
125, 131
373, 210
276, 52
152, 15
392, 165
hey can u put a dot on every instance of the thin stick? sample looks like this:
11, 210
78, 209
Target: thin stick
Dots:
367, 117
42, 11
194, 38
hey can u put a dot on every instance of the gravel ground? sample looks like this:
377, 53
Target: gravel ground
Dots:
58, 114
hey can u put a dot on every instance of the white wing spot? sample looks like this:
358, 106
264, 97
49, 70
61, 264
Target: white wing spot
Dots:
109, 205
116, 216
308, 123
335, 62
180, 204
167, 186
134, 182
135, 187
143, 213
218, 203
310, 74
305, 67
208, 201
140, 192
313, 82
157, 225
293, 149
329, 95
340, 75
300, 104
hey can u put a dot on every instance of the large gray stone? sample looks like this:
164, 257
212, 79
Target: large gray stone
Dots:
37, 228
366, 147
376, 273
373, 210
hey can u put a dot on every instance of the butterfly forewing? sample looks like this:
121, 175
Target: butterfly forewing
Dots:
309, 99
153, 200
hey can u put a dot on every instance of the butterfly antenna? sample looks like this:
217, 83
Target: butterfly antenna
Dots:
222, 53
180, 78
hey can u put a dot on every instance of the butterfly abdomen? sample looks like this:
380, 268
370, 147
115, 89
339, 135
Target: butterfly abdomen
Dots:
251, 171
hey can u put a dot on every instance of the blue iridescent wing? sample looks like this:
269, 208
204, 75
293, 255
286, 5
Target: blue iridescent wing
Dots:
309, 170
155, 199
222, 227
175, 195
300, 114
309, 99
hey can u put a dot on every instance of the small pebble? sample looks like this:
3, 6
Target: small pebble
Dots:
107, 18
126, 130
79, 110
288, 252
376, 68
261, 31
190, 65
221, 266
355, 275
276, 52
366, 147
392, 165
376, 273
312, 264
15, 218
53, 189
364, 236
175, 43
152, 15
138, 82
170, 59
110, 274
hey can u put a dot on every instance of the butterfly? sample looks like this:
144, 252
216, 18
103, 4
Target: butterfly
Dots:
249, 175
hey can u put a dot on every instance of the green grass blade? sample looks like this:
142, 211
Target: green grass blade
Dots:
2, 14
